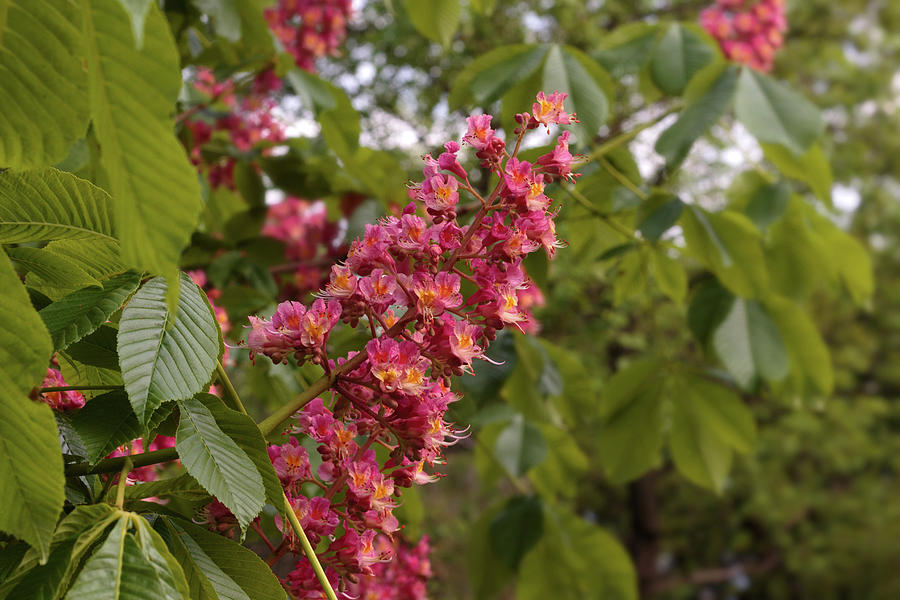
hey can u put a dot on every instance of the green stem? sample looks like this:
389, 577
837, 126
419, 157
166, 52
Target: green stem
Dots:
621, 178
295, 523
111, 465
574, 193
123, 475
75, 388
308, 549
231, 397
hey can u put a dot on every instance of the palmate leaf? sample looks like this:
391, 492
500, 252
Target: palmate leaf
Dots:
132, 93
246, 434
82, 312
436, 20
234, 572
48, 204
218, 463
121, 569
166, 358
31, 466
43, 99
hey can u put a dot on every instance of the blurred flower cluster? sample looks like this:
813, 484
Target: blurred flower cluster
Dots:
309, 29
749, 31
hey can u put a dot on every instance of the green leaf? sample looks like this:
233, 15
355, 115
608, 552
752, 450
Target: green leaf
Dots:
44, 581
696, 118
718, 409
118, 570
137, 12
630, 439
199, 586
669, 274
227, 564
31, 469
105, 423
775, 113
491, 75
97, 349
82, 312
749, 344
659, 221
730, 246
487, 575
567, 70
520, 446
43, 103
31, 465
768, 204
168, 572
132, 94
811, 168
50, 268
810, 358
180, 486
218, 463
709, 307
47, 204
437, 20
246, 434
679, 55
576, 559
698, 453
165, 357
99, 259
627, 48
516, 529
225, 17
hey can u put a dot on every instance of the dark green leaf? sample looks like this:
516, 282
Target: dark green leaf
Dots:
696, 118
105, 423
491, 75
520, 446
227, 564
165, 357
80, 313
679, 55
516, 529
660, 220
709, 307
218, 463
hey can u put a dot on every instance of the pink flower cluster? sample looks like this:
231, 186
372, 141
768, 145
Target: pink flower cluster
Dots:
403, 578
749, 31
61, 401
432, 292
248, 120
312, 243
309, 29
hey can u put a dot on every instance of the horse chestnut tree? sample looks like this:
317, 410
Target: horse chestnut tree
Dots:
231, 353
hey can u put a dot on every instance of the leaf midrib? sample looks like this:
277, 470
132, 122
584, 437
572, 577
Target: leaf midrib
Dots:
59, 226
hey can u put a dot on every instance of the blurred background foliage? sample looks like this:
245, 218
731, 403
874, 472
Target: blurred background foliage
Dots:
804, 504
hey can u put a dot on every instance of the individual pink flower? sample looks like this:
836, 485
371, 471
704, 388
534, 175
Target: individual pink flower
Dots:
549, 110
